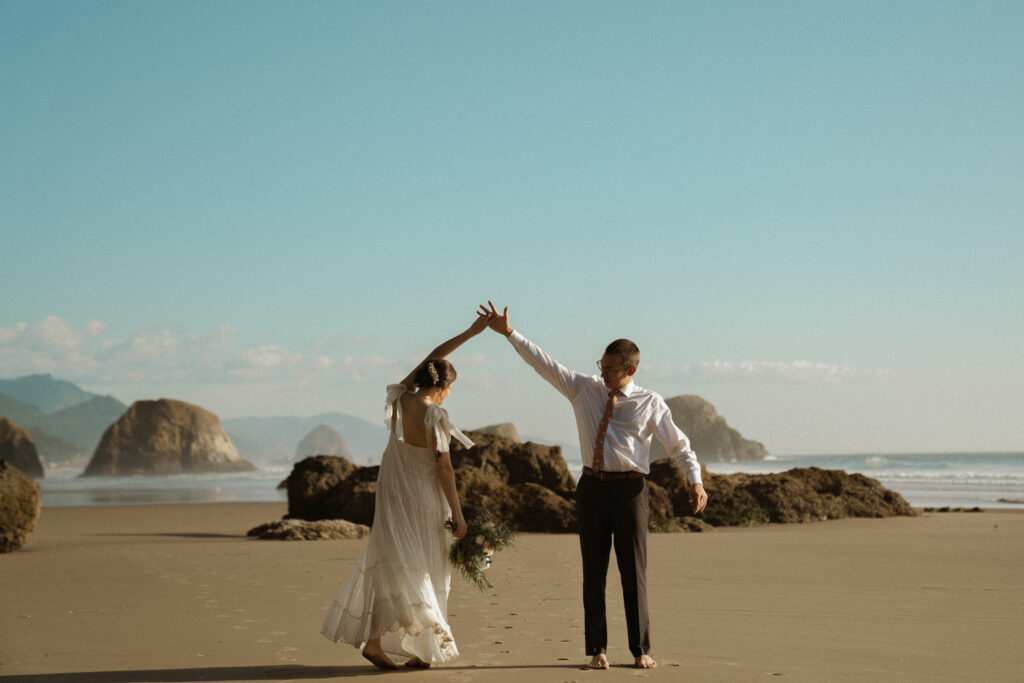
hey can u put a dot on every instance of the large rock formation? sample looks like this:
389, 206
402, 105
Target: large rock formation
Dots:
20, 504
322, 440
805, 494
710, 436
18, 448
330, 487
165, 437
527, 486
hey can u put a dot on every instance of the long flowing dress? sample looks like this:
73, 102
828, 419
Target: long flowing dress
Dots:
398, 589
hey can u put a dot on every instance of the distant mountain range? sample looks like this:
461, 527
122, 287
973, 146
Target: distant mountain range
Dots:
65, 421
44, 392
68, 422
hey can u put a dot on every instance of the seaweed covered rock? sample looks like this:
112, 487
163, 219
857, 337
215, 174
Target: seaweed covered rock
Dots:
527, 486
804, 494
331, 487
20, 505
302, 530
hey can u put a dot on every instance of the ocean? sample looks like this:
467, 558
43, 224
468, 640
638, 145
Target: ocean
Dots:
987, 480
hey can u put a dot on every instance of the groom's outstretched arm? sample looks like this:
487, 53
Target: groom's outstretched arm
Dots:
560, 377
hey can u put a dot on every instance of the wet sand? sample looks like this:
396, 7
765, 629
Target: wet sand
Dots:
178, 593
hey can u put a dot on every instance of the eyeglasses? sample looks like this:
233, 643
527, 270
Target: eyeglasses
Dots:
602, 368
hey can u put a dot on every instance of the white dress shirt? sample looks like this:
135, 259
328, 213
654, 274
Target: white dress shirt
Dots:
639, 415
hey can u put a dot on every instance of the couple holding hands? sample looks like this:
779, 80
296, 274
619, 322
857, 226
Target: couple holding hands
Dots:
395, 599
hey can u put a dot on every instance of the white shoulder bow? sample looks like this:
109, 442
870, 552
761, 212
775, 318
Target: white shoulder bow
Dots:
393, 409
444, 430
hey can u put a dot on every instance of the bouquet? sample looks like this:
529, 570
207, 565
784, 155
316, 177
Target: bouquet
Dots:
471, 554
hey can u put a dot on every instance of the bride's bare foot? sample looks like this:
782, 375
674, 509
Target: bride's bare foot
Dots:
597, 662
378, 658
645, 662
417, 663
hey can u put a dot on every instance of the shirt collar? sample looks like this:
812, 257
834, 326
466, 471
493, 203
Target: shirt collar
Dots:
628, 389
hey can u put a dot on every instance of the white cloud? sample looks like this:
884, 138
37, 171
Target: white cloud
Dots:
52, 345
166, 357
802, 371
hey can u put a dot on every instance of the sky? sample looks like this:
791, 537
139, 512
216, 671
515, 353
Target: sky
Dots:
810, 214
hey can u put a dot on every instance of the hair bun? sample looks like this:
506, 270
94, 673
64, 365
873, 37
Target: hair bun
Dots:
434, 373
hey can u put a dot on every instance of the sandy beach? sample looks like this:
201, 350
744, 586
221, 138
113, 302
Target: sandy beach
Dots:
178, 593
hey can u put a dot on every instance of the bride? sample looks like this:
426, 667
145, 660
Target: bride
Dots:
395, 599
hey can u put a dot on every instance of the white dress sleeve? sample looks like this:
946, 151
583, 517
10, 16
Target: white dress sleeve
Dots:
437, 420
393, 408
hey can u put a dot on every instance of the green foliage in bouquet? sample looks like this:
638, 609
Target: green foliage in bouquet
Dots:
471, 554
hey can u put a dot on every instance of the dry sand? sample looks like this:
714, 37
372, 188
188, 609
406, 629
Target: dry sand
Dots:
177, 593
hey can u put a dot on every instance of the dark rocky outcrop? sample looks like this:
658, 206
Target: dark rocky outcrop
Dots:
165, 437
301, 530
710, 435
18, 448
322, 440
20, 504
525, 485
330, 487
803, 494
528, 487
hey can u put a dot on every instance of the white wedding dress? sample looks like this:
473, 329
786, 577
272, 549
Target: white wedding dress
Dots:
398, 590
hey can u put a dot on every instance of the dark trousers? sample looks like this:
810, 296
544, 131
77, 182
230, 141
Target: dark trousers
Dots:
616, 510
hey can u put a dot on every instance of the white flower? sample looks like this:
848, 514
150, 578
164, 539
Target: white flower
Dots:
480, 540
489, 525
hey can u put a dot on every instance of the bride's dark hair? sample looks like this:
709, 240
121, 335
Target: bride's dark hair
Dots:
436, 372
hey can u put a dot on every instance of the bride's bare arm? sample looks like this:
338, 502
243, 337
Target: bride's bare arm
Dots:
446, 474
445, 348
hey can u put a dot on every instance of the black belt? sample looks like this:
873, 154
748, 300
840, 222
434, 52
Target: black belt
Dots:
611, 476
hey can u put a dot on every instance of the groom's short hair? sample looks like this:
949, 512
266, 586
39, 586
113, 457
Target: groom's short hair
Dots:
627, 350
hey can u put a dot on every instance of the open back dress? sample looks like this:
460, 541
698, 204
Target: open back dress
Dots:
398, 589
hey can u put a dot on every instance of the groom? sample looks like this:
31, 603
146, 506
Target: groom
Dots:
616, 420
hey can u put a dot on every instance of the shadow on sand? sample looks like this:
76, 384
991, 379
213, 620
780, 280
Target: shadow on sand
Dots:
237, 673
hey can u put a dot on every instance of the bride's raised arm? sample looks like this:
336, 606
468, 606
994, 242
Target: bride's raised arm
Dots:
447, 347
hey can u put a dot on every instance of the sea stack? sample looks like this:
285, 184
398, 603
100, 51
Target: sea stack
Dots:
165, 437
322, 440
711, 437
19, 448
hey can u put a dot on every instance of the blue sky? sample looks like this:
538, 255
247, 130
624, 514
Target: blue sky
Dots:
808, 213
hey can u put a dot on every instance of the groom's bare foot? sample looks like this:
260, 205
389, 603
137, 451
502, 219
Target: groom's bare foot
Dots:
597, 662
378, 658
645, 662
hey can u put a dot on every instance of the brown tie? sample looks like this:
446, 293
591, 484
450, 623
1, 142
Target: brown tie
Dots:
602, 429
